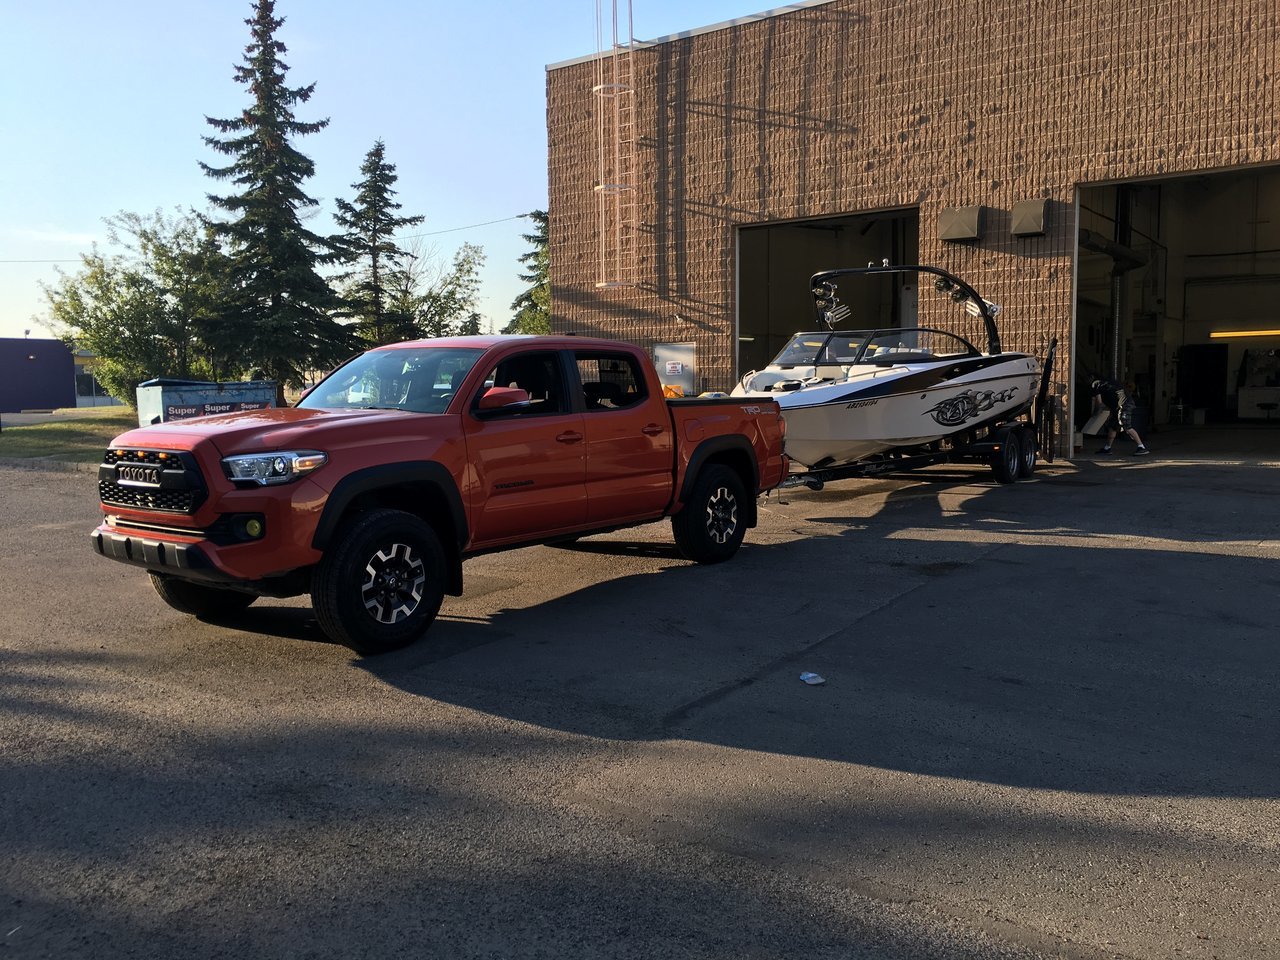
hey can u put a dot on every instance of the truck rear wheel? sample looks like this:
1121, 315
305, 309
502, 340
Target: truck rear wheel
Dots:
381, 583
711, 526
198, 600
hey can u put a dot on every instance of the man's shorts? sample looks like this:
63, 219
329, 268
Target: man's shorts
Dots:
1121, 418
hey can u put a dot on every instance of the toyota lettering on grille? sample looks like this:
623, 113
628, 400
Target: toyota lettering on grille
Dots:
137, 475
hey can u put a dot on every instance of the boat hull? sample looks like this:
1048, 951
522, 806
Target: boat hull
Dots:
876, 410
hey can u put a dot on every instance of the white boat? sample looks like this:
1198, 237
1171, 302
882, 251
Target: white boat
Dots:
848, 396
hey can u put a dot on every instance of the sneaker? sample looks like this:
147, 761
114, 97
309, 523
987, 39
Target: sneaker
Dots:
1141, 451
1104, 450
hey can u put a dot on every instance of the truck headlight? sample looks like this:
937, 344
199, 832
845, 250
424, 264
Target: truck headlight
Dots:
265, 468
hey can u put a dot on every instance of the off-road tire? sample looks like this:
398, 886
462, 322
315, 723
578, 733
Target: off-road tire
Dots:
380, 584
207, 603
712, 524
1005, 464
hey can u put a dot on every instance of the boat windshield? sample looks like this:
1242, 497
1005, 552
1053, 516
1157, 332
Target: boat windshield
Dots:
913, 345
808, 349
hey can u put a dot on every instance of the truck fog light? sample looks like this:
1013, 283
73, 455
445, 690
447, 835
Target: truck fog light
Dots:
253, 528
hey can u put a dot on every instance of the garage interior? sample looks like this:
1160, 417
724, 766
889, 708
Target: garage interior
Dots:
1178, 283
775, 262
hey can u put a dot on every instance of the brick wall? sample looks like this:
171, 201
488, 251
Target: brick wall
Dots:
854, 106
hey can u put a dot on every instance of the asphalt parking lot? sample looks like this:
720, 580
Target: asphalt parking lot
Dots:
1049, 728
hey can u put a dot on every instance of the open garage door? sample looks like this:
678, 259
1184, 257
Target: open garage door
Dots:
775, 262
1178, 296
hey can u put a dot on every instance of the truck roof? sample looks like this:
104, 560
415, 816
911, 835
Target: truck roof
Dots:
493, 340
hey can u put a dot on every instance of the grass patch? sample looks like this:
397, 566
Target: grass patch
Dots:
81, 440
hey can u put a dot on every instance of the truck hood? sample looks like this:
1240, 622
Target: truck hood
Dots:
281, 428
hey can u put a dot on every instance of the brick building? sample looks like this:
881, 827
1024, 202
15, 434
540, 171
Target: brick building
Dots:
698, 180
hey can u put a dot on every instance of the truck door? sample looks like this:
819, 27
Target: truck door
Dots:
630, 460
529, 460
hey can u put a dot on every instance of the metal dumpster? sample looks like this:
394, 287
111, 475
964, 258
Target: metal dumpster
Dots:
160, 401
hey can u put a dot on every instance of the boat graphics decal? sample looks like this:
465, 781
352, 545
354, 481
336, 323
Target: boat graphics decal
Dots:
917, 382
963, 407
932, 376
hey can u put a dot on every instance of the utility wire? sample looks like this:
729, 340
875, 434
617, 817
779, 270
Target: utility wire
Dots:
487, 223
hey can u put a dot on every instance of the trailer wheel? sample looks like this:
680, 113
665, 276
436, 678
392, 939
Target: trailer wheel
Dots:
1029, 457
711, 526
1007, 463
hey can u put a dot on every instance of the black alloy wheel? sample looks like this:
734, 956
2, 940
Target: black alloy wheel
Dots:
380, 584
395, 580
710, 527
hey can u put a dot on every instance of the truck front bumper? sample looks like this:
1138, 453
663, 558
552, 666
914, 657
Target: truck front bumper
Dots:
186, 560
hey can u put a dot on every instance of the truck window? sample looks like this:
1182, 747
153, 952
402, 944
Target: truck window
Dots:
539, 375
420, 380
610, 381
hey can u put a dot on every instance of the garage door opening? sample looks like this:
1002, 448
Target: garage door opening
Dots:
775, 263
1177, 291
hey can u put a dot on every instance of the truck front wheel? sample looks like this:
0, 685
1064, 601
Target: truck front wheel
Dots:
380, 584
711, 526
199, 600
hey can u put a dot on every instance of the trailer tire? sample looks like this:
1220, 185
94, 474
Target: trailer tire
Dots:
380, 584
207, 603
1006, 463
712, 524
1029, 456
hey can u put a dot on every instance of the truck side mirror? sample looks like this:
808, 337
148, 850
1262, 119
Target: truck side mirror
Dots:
502, 398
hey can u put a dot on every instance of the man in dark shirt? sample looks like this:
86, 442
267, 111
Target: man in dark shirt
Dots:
1117, 400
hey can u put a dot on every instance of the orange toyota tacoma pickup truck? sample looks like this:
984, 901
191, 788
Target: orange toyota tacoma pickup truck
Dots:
410, 458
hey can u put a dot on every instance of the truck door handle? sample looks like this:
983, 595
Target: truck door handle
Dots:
569, 436
651, 429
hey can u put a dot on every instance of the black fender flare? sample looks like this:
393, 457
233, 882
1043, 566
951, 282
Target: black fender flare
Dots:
425, 473
714, 446
422, 474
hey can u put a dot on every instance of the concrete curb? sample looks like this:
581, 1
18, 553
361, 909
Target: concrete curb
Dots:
47, 465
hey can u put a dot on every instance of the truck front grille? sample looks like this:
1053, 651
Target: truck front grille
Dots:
178, 486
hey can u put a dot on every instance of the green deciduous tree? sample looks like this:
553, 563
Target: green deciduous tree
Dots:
533, 306
143, 310
369, 246
446, 303
285, 306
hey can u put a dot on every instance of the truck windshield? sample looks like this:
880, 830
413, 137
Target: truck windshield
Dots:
417, 379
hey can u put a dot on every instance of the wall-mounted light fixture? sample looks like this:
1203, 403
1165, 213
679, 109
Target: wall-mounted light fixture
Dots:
1234, 334
960, 223
1029, 218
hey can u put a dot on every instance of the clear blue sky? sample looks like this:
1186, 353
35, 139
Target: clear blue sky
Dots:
103, 109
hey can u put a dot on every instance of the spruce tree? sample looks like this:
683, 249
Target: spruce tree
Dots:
371, 223
533, 307
283, 302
